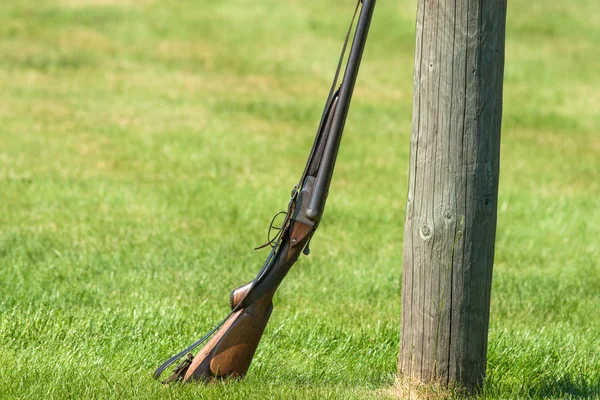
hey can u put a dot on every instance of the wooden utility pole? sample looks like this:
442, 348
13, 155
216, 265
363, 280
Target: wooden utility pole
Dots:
450, 225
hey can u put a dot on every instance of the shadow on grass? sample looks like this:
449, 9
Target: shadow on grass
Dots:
566, 386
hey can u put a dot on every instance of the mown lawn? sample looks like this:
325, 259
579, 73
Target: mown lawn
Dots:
144, 146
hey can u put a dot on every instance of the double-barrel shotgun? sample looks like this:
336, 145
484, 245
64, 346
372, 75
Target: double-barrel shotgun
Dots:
234, 340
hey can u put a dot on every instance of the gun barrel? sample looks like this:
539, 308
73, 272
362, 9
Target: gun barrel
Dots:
319, 196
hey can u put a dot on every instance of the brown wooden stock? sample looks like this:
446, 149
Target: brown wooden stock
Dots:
229, 352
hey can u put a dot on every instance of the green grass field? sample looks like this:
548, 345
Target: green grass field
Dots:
144, 146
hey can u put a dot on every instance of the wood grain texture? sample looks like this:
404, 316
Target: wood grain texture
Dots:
450, 224
238, 294
230, 351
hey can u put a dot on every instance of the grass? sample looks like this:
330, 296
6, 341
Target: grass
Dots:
144, 146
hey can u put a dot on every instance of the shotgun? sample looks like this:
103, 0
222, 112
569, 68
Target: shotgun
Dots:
234, 340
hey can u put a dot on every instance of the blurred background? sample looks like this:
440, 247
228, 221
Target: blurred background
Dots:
145, 145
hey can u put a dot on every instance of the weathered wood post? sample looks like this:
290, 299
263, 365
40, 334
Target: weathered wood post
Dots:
450, 225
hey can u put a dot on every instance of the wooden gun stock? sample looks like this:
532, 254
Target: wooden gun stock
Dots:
230, 351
